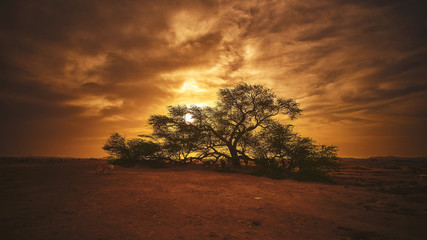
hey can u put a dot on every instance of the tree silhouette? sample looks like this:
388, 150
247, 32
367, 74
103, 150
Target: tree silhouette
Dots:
224, 128
129, 152
116, 146
239, 112
180, 139
239, 130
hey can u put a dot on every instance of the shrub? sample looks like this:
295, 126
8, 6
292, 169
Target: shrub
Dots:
130, 152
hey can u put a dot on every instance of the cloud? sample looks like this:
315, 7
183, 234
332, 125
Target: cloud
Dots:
76, 71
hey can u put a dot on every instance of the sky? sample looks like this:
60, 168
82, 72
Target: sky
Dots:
73, 72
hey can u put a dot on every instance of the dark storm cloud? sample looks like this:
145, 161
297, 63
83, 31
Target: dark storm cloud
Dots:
407, 65
80, 61
74, 71
357, 63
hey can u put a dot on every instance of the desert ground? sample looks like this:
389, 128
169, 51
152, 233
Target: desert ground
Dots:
377, 198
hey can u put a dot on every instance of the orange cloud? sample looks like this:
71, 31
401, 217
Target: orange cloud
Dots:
73, 72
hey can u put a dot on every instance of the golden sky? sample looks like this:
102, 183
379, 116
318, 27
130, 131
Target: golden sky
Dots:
73, 72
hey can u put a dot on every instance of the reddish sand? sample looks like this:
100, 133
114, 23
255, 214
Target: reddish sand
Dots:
51, 199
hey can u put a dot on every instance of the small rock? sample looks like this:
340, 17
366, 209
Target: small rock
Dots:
212, 235
256, 222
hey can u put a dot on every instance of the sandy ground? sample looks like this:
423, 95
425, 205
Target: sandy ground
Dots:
52, 199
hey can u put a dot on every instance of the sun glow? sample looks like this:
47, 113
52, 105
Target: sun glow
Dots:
191, 86
188, 118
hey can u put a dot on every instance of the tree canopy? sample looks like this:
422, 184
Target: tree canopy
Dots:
222, 131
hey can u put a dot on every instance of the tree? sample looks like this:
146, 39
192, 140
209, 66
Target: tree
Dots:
116, 146
277, 146
129, 152
311, 158
241, 128
272, 145
239, 112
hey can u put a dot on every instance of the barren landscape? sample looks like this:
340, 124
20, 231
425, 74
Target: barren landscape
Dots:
377, 198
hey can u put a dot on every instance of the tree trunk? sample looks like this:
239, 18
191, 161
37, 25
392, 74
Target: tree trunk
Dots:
235, 160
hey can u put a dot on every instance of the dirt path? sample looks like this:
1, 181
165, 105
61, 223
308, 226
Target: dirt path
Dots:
66, 200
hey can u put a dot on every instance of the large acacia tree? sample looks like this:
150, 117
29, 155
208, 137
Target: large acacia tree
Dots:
241, 128
224, 131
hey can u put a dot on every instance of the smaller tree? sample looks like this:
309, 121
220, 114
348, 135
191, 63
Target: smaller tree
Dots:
141, 150
278, 147
129, 152
116, 146
310, 158
271, 145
